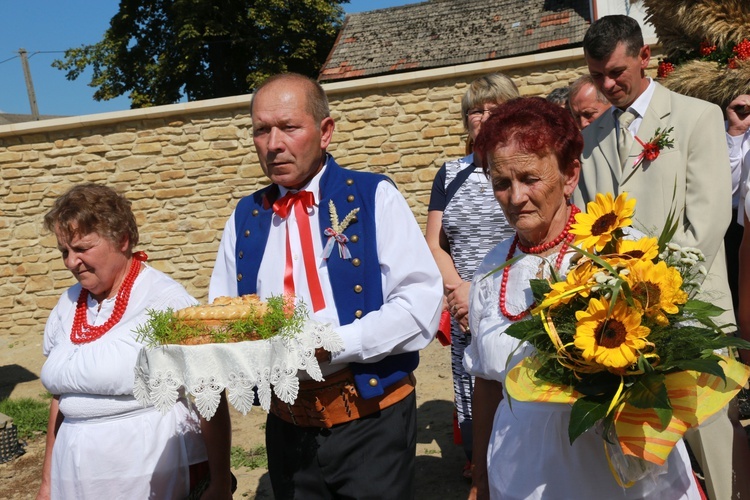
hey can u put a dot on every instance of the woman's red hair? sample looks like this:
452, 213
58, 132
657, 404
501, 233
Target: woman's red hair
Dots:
534, 125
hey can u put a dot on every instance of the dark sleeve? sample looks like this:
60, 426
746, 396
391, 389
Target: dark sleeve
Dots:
438, 196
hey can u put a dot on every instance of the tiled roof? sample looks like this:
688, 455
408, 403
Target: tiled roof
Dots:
441, 33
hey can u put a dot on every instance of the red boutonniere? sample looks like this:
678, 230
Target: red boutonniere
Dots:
653, 147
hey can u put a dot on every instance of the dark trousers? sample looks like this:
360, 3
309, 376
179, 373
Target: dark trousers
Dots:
732, 241
372, 457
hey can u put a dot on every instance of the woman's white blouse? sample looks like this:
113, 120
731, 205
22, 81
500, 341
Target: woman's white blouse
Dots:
488, 354
96, 379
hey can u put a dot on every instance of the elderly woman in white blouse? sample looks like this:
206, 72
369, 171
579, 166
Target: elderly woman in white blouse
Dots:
522, 451
101, 443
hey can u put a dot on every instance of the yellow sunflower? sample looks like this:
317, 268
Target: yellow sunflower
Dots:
646, 248
657, 288
613, 341
578, 283
594, 228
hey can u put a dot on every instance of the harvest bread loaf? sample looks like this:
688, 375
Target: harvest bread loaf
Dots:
226, 319
223, 310
215, 319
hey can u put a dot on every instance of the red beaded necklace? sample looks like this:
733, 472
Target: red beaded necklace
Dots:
565, 238
82, 332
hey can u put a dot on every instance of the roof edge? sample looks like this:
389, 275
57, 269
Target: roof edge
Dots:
462, 70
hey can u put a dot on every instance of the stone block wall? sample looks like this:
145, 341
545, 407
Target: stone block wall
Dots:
185, 167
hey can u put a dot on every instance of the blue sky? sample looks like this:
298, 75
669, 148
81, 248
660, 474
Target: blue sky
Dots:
46, 28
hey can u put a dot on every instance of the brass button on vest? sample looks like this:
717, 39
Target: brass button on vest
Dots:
239, 276
241, 254
255, 212
349, 182
358, 313
247, 233
373, 382
358, 288
350, 198
354, 238
356, 262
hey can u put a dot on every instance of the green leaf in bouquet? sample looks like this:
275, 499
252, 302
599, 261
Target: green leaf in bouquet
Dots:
730, 341
627, 293
698, 308
526, 329
649, 391
671, 224
585, 413
598, 384
708, 365
553, 372
644, 365
539, 288
598, 260
674, 344
665, 416
505, 264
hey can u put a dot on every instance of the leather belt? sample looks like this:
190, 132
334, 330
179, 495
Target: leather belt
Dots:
336, 401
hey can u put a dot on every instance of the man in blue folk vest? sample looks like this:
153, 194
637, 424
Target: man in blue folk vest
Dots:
353, 435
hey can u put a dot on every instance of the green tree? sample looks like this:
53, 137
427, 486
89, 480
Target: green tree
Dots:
159, 50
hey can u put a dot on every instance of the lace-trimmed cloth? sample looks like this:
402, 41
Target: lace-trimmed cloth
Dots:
206, 370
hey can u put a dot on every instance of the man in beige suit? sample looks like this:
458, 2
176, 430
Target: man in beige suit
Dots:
693, 175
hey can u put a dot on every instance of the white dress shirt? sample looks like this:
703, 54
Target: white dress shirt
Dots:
411, 283
638, 108
739, 162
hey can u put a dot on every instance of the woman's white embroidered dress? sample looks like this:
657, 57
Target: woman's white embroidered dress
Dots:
109, 446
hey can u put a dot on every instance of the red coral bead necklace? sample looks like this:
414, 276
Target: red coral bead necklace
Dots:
82, 332
564, 237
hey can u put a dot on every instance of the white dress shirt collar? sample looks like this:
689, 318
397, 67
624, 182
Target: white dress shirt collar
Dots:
639, 107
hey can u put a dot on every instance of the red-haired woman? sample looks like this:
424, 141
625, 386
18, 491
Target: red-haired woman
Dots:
532, 149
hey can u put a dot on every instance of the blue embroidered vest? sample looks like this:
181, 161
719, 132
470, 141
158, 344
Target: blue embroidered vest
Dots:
355, 282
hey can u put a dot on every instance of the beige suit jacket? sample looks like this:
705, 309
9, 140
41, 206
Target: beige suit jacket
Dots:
694, 175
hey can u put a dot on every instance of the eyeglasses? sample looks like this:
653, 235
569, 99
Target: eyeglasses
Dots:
478, 113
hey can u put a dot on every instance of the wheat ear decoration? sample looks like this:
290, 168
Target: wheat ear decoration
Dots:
334, 216
348, 218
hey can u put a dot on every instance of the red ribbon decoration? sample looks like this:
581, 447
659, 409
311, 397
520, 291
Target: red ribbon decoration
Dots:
301, 201
339, 238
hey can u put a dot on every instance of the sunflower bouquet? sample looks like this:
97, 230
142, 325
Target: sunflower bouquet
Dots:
626, 341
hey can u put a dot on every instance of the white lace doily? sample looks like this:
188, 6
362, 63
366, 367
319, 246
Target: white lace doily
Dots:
206, 370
